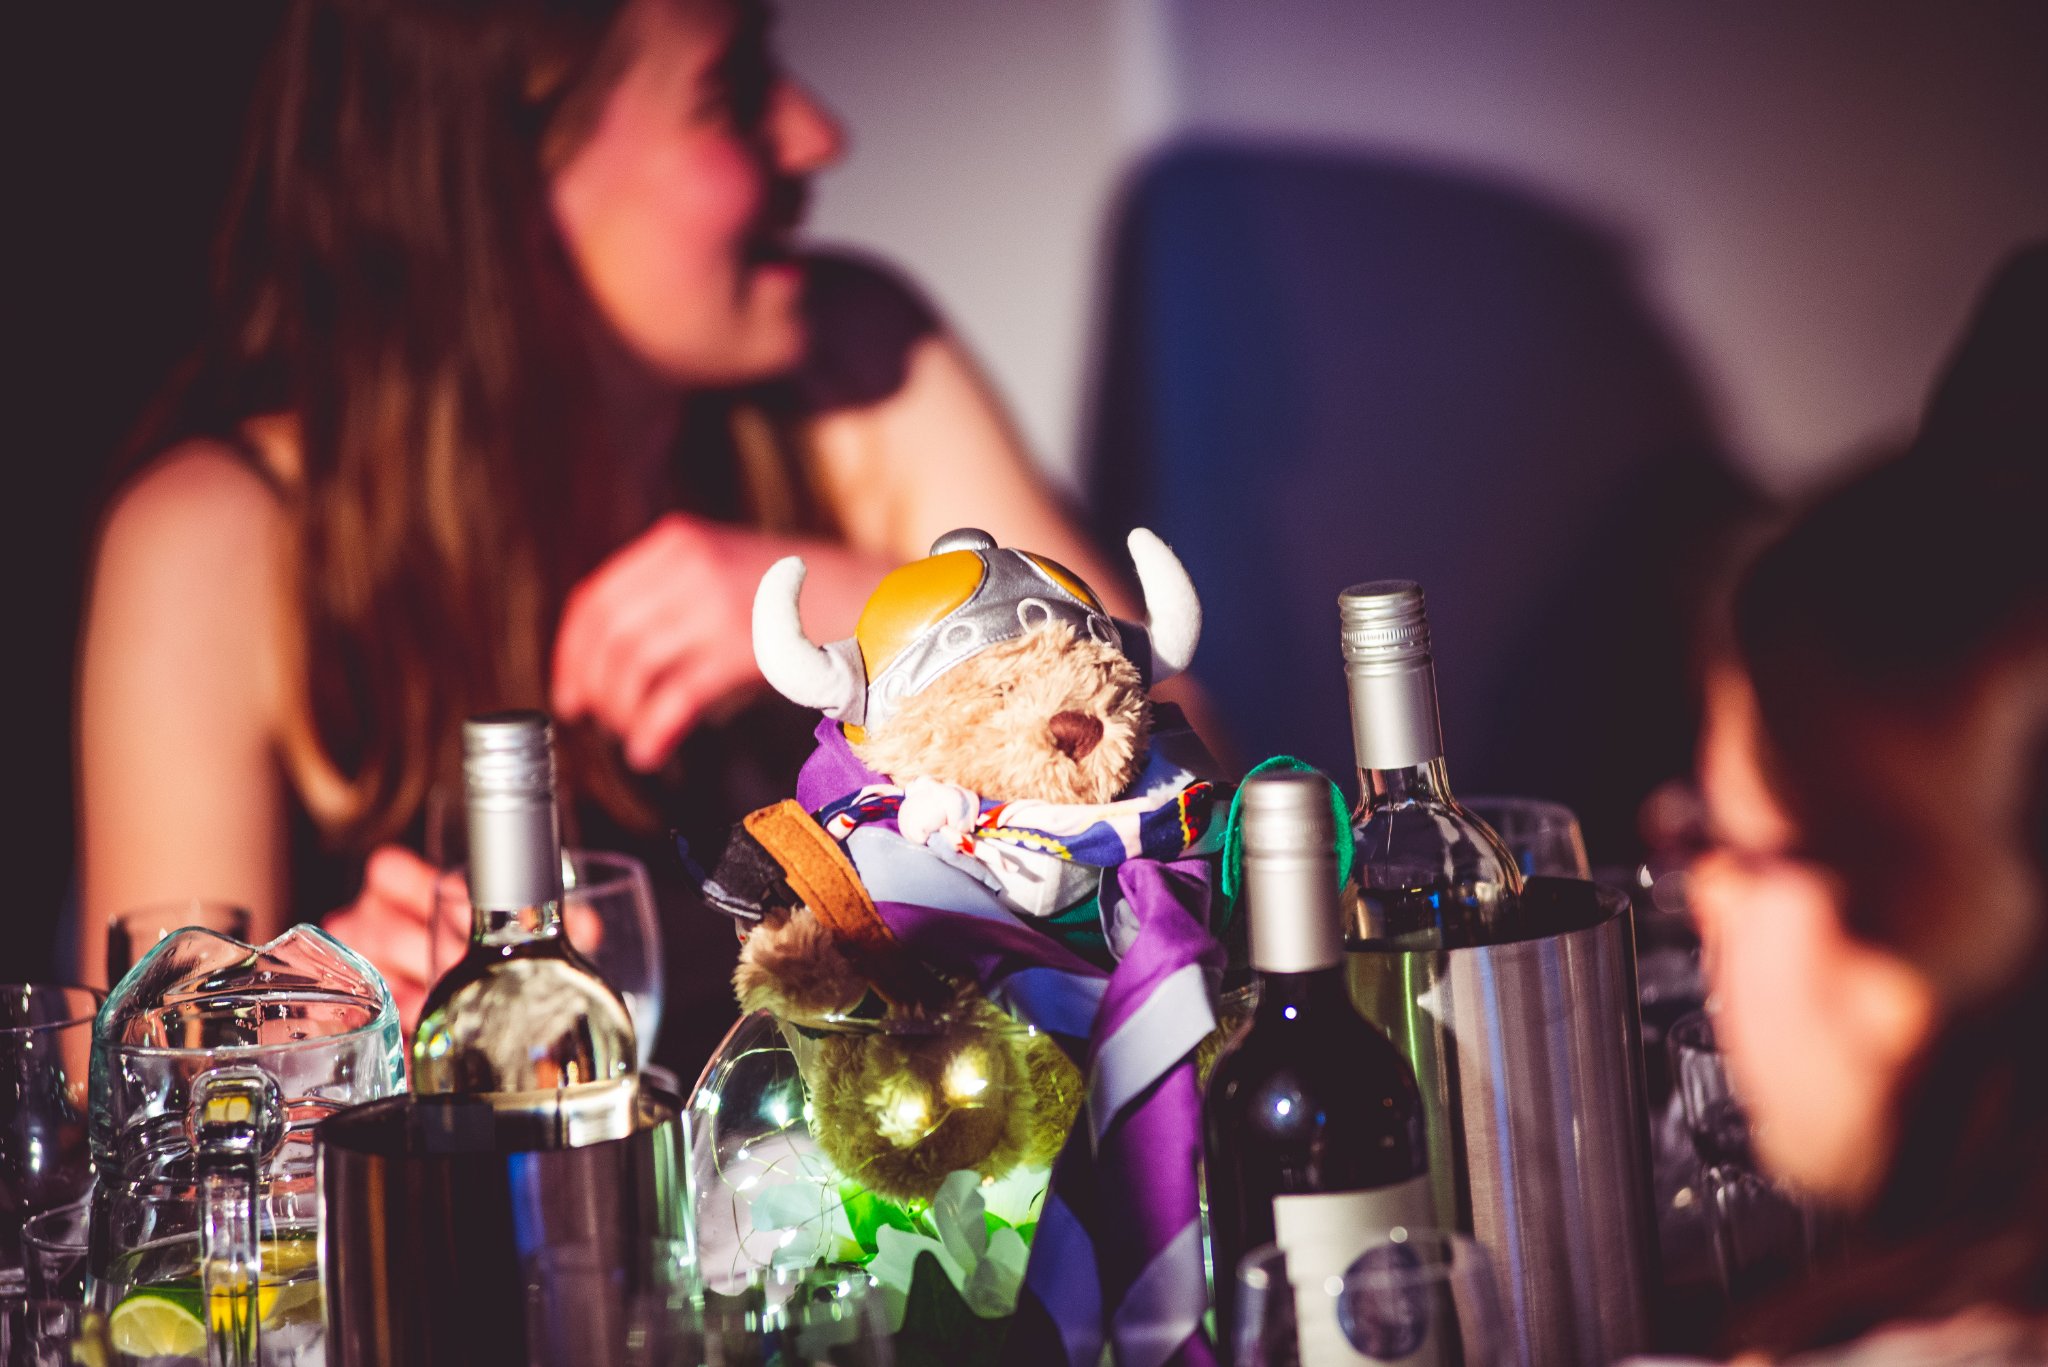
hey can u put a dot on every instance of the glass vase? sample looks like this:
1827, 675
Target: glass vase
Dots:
917, 1148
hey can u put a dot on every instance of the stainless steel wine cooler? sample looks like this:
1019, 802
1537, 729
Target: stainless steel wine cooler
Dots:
1529, 1055
456, 1232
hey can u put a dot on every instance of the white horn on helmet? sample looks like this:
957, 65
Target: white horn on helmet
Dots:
1173, 614
830, 678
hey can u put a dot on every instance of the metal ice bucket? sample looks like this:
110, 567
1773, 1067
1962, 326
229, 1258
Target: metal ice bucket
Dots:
1529, 1054
451, 1232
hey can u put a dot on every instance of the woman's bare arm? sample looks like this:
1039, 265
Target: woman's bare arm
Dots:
180, 793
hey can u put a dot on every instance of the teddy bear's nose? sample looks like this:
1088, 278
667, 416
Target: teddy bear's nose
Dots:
1075, 733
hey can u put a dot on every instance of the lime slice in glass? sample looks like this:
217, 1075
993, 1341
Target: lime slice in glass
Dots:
292, 1303
153, 1324
279, 1258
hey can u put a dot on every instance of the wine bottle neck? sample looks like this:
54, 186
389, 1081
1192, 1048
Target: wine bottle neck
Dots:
1426, 783
1297, 998
498, 926
1394, 721
515, 864
1295, 923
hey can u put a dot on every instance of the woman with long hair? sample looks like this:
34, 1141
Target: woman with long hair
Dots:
1875, 908
518, 381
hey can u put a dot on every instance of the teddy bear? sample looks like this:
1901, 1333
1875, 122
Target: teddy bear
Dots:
992, 726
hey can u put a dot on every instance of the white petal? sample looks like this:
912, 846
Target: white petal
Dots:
895, 1260
993, 1289
957, 1211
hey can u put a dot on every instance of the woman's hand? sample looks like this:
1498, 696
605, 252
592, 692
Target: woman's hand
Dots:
661, 634
390, 923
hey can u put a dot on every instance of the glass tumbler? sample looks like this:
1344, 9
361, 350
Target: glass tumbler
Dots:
45, 1044
35, 1332
780, 1317
1418, 1297
55, 1243
134, 932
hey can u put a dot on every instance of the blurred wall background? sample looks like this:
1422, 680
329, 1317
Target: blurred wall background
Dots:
1805, 198
1490, 295
1811, 193
122, 132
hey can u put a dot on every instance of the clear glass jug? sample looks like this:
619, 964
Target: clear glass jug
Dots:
211, 1063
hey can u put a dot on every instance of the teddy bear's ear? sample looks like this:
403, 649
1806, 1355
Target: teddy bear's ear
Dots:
1173, 614
829, 678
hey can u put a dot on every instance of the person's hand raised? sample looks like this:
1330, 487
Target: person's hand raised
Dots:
661, 634
389, 924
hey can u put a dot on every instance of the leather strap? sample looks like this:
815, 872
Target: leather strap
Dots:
820, 874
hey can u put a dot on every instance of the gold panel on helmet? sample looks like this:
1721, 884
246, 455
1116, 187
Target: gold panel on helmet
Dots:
912, 599
1067, 580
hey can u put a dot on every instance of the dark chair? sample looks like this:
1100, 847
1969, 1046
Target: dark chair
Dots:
1322, 367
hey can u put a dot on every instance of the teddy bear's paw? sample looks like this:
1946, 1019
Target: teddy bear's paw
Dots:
793, 968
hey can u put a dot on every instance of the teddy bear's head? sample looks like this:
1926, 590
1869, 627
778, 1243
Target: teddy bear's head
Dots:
1044, 715
989, 668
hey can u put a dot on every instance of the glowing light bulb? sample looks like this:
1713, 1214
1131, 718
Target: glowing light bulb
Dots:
903, 1113
965, 1079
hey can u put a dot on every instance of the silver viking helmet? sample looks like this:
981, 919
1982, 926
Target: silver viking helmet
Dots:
967, 595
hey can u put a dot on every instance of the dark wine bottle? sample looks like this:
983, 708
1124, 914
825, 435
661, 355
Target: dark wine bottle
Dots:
1314, 1130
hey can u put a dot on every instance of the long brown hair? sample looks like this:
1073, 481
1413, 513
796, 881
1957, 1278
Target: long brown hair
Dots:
388, 275
1882, 613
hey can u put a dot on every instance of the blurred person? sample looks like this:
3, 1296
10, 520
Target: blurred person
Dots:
1874, 909
518, 383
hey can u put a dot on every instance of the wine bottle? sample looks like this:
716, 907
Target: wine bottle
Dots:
522, 1018
1313, 1125
1427, 874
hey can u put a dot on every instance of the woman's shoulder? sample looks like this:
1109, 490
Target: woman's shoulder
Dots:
183, 607
865, 318
190, 498
195, 533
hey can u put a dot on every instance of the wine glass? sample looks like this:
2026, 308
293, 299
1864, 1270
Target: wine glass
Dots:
609, 914
447, 829
134, 932
608, 911
45, 1060
1715, 1119
1419, 1295
1543, 837
1761, 1237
